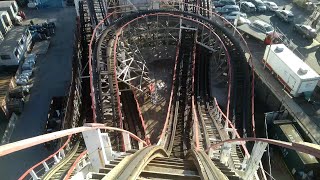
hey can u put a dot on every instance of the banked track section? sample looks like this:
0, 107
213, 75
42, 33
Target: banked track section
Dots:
154, 162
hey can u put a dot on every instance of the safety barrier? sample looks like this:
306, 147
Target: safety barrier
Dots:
47, 163
75, 164
30, 142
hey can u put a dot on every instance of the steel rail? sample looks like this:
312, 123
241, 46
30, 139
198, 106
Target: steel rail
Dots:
147, 139
55, 169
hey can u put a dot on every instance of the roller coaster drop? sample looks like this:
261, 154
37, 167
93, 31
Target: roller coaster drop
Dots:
198, 141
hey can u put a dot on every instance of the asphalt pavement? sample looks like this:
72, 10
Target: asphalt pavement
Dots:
52, 78
308, 50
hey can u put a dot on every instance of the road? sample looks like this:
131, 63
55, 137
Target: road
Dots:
308, 49
52, 76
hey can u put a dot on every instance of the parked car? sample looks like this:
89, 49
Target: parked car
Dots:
285, 15
247, 7
261, 31
259, 5
271, 6
262, 26
222, 3
242, 18
305, 30
306, 4
227, 9
265, 28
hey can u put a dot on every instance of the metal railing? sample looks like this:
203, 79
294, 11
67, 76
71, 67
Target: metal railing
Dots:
55, 157
82, 156
44, 166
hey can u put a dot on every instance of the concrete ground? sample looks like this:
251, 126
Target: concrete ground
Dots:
52, 76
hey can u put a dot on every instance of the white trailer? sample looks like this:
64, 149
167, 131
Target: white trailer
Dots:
292, 72
14, 45
5, 22
11, 7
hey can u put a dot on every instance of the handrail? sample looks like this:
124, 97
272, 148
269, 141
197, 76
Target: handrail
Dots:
147, 139
116, 79
26, 143
231, 125
305, 147
196, 121
41, 162
75, 164
196, 124
30, 142
238, 136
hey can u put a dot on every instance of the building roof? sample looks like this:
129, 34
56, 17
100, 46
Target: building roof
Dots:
293, 61
12, 39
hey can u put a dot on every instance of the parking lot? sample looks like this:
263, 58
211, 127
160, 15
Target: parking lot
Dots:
52, 78
308, 50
